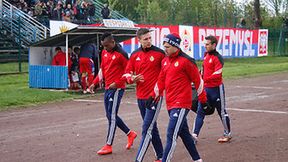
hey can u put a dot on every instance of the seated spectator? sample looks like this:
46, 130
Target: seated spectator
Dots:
60, 58
57, 12
75, 79
105, 12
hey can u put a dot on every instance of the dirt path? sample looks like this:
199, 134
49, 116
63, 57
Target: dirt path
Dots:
75, 130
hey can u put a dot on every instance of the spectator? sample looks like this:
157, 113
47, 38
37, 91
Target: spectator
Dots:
91, 11
57, 12
60, 58
105, 12
242, 23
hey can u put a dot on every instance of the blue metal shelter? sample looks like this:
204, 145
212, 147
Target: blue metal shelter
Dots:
43, 75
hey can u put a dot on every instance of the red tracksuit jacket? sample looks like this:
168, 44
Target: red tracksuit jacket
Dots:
112, 67
148, 63
177, 74
212, 69
60, 60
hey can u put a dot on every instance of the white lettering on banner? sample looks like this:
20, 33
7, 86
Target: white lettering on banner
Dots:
225, 51
230, 42
118, 23
202, 35
233, 40
157, 36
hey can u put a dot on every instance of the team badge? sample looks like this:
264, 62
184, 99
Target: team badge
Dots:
210, 61
113, 57
105, 55
152, 59
138, 59
165, 63
176, 64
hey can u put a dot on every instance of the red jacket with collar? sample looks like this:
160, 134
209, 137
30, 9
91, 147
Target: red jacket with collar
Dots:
148, 63
60, 60
178, 73
112, 67
212, 69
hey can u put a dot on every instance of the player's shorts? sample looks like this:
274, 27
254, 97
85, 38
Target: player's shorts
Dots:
86, 65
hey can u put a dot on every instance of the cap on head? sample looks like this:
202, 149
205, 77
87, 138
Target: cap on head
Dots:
173, 39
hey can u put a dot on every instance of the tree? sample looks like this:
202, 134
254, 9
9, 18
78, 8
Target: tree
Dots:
258, 21
277, 6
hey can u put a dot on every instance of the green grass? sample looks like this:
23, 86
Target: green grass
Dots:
15, 91
249, 67
13, 67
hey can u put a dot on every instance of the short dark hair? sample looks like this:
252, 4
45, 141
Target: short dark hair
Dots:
213, 39
76, 49
142, 31
107, 35
58, 48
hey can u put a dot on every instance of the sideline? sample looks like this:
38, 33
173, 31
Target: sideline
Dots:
233, 109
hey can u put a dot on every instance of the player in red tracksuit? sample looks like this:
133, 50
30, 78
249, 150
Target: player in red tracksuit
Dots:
143, 69
60, 58
177, 74
114, 61
87, 58
214, 87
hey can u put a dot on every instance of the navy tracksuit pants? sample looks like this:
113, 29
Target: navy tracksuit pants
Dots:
149, 129
216, 98
178, 126
112, 99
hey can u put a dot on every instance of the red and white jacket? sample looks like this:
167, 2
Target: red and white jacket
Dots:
212, 69
112, 67
146, 62
177, 74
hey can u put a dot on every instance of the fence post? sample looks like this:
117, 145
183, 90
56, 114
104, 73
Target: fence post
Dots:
19, 45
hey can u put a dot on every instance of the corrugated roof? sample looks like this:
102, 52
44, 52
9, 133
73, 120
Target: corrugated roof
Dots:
83, 34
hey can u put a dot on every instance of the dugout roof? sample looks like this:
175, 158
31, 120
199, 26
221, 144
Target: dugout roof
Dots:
83, 34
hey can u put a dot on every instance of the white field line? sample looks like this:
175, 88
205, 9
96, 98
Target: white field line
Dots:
233, 109
260, 87
258, 111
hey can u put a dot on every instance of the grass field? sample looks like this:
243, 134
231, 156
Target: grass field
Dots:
13, 67
15, 91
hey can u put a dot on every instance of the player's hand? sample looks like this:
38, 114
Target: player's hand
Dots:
152, 101
113, 86
208, 109
138, 78
91, 89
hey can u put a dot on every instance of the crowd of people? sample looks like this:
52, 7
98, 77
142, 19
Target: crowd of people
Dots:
155, 71
76, 11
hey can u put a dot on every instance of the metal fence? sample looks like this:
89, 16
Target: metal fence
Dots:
278, 42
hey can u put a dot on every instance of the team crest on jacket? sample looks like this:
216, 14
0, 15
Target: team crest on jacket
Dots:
138, 59
113, 57
152, 59
176, 64
210, 61
165, 63
105, 55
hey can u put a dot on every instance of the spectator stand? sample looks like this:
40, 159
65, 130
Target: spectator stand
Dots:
43, 75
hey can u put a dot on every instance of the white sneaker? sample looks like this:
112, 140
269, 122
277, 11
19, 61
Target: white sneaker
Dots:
199, 160
84, 92
195, 138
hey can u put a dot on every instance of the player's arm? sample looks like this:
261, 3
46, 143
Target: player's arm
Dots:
217, 74
123, 64
129, 76
99, 78
194, 75
160, 84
